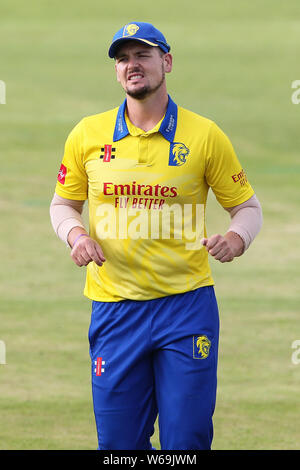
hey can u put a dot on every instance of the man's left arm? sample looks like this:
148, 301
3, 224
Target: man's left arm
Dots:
246, 222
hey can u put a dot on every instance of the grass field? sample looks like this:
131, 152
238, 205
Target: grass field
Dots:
234, 62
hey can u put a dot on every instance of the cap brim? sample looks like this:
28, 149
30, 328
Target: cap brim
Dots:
118, 42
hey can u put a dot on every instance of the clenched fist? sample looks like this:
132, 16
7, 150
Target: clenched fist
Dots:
224, 248
84, 248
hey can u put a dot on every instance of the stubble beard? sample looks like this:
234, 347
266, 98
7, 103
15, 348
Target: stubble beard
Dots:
146, 91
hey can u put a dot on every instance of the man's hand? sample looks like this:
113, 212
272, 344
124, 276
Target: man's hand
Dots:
84, 248
224, 249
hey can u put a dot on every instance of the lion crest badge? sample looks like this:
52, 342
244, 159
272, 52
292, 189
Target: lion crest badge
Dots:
178, 154
201, 347
130, 30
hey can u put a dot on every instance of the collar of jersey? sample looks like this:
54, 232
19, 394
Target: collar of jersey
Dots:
137, 131
167, 127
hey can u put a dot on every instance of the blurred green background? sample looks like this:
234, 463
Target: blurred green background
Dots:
234, 62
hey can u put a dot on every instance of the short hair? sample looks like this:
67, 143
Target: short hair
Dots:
161, 52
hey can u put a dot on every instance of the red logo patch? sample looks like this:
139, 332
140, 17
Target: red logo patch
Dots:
98, 366
62, 174
99, 369
108, 152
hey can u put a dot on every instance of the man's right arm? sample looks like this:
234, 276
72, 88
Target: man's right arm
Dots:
67, 222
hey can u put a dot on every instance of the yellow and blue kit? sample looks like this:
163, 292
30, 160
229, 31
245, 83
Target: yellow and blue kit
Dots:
145, 192
154, 328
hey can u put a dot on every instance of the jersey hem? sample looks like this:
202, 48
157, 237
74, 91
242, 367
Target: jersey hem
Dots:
239, 200
139, 298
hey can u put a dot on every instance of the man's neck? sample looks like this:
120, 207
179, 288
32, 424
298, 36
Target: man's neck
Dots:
145, 114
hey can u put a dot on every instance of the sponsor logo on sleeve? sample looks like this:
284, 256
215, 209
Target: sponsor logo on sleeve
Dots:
61, 177
240, 178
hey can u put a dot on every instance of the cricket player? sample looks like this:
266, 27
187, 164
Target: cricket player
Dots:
145, 169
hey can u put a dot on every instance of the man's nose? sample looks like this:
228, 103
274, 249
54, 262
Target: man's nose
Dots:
133, 62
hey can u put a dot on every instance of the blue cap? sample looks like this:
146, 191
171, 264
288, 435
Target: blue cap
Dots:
138, 31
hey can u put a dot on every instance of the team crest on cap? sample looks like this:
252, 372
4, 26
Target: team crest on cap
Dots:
178, 154
130, 30
201, 347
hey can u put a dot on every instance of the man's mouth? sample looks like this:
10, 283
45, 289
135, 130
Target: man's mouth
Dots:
135, 76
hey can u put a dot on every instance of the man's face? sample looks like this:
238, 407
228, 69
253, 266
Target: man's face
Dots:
141, 69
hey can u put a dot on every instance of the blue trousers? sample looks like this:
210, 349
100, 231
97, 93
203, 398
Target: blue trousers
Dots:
155, 358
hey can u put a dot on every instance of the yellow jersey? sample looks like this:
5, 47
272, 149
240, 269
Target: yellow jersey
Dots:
147, 194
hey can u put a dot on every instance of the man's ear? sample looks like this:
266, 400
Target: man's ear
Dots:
168, 62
